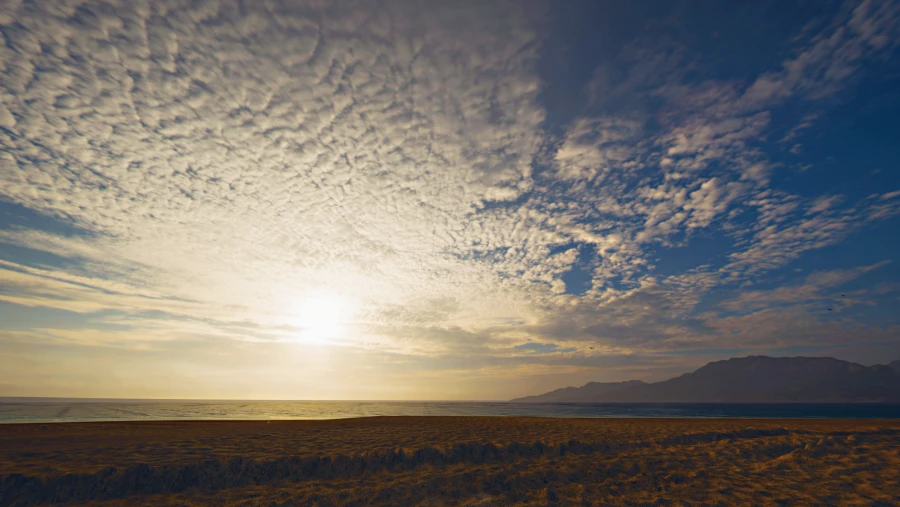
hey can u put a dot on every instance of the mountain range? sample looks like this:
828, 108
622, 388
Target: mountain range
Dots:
749, 379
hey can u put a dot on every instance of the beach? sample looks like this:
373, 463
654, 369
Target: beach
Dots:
453, 461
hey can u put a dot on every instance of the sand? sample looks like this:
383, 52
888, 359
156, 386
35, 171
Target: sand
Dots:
453, 461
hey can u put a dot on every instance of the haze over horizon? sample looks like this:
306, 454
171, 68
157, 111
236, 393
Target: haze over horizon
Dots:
291, 199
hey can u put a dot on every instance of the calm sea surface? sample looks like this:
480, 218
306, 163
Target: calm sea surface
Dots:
52, 410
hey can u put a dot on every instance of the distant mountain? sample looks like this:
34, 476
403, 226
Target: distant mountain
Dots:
895, 364
751, 379
585, 393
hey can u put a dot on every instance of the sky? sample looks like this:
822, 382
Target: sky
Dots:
469, 200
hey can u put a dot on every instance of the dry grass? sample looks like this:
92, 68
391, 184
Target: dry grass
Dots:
454, 461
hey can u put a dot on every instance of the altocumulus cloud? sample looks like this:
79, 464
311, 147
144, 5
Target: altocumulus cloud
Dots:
221, 163
274, 151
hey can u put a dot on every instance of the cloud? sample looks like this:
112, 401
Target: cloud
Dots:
234, 153
223, 163
702, 165
834, 55
817, 287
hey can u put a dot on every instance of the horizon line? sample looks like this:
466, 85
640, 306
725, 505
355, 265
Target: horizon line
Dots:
74, 398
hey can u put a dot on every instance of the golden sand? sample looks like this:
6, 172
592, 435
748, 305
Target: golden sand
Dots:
453, 461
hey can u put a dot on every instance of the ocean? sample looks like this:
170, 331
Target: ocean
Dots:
13, 410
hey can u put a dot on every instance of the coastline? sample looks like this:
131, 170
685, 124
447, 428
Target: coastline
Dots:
451, 460
237, 410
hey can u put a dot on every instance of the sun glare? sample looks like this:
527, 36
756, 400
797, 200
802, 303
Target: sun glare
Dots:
322, 319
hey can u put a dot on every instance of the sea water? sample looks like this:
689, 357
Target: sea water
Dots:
61, 410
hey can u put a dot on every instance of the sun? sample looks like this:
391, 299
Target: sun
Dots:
322, 318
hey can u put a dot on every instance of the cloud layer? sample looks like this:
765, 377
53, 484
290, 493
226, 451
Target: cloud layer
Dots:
214, 166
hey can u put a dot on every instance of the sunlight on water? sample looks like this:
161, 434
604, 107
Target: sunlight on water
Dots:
13, 410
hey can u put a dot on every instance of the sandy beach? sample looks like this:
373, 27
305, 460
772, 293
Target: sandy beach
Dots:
453, 461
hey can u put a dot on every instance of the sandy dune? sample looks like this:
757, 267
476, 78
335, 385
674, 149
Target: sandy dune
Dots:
453, 461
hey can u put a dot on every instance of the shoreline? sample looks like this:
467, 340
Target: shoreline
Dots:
383, 460
363, 418
46, 412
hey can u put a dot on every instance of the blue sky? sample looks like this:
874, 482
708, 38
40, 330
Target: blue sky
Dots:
407, 200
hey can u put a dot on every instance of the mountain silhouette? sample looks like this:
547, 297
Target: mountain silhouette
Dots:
750, 379
895, 364
586, 393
